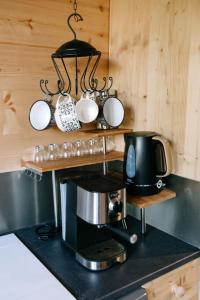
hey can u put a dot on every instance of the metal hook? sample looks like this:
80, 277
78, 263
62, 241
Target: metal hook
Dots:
62, 91
60, 87
37, 177
111, 83
60, 81
104, 87
94, 84
105, 82
28, 172
41, 83
82, 81
77, 18
92, 73
45, 83
68, 77
47, 92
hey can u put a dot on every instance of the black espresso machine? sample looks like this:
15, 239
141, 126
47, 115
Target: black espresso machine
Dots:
93, 210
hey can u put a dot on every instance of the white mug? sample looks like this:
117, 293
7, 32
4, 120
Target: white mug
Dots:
113, 112
65, 114
86, 108
41, 114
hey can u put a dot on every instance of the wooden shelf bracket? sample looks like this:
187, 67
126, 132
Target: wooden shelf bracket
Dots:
142, 202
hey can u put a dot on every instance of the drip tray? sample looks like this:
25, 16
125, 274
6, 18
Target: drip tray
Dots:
102, 255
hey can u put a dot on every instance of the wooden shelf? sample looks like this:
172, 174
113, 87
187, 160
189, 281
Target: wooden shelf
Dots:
103, 132
72, 162
145, 201
80, 161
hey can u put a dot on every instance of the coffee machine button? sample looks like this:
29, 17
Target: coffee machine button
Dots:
115, 206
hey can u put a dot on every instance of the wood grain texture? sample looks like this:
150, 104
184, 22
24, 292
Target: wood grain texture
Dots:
72, 162
155, 61
185, 276
29, 33
146, 201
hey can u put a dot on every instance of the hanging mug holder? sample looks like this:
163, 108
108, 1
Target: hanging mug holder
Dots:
84, 80
73, 50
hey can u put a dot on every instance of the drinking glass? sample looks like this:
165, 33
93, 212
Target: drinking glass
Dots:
78, 148
51, 152
58, 153
92, 146
100, 145
38, 153
66, 150
84, 147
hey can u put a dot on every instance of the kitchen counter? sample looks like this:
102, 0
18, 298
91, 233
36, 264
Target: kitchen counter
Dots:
152, 256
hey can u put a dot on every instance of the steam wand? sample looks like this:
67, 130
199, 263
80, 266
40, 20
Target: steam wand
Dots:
123, 233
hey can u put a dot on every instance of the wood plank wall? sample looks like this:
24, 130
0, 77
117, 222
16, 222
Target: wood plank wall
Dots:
30, 31
155, 62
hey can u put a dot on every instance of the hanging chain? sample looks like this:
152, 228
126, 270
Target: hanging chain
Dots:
75, 6
75, 10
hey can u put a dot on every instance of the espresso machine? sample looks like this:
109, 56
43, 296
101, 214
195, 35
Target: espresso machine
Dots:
93, 210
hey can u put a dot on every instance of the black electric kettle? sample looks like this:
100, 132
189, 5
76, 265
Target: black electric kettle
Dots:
147, 158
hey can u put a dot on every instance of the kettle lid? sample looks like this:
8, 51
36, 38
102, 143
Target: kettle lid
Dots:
142, 134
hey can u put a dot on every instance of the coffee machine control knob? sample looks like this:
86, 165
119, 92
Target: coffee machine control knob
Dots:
115, 205
117, 208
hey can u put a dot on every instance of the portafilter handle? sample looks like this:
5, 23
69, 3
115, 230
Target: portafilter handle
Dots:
124, 234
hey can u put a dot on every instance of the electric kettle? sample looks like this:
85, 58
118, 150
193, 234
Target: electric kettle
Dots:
147, 159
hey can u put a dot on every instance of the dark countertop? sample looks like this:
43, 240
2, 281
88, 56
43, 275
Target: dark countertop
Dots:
152, 256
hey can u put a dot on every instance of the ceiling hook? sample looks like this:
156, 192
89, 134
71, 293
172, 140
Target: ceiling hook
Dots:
77, 18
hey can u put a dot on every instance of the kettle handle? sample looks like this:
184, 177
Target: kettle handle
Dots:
168, 154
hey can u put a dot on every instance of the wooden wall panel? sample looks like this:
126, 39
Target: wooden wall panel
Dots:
30, 31
155, 61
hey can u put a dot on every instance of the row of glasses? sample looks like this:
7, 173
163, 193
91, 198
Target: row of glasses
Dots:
77, 148
41, 153
81, 148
